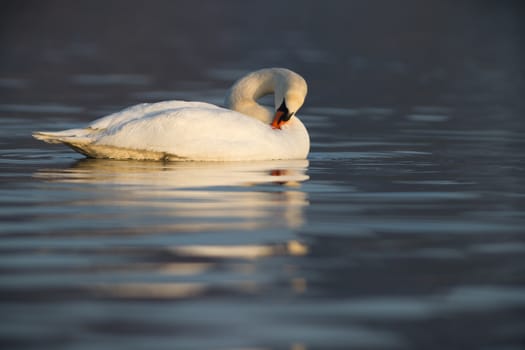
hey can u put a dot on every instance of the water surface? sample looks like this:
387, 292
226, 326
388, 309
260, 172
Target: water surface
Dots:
402, 230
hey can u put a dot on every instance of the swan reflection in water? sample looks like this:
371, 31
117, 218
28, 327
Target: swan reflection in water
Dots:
181, 174
194, 196
183, 219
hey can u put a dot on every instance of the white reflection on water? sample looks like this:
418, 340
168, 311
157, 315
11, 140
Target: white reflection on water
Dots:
242, 251
244, 281
181, 174
191, 196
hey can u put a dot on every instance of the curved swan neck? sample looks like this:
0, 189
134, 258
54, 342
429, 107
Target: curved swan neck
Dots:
244, 94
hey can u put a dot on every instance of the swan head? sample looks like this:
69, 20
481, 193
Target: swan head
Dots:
290, 92
286, 110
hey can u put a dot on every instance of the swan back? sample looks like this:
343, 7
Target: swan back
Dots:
283, 83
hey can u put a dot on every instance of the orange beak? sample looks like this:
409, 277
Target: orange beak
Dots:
277, 122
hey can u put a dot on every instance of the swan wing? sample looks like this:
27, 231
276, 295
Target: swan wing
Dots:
79, 138
202, 133
142, 110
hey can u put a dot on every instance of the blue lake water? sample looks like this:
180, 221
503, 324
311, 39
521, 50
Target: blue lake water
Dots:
404, 229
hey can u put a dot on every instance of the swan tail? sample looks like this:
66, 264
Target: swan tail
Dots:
77, 139
71, 136
82, 141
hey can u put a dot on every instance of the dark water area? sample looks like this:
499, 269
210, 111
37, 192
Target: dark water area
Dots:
404, 229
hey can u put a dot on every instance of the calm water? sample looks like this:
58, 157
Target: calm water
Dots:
403, 230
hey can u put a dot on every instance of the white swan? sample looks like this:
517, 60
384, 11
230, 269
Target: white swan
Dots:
181, 130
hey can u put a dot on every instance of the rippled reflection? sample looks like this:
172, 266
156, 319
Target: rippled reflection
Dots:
192, 196
237, 260
154, 230
181, 174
